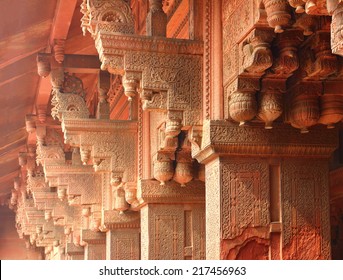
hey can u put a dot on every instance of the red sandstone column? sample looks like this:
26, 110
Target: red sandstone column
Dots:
266, 192
172, 221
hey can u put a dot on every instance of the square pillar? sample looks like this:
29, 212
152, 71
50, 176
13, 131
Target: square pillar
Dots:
95, 245
122, 244
267, 192
172, 221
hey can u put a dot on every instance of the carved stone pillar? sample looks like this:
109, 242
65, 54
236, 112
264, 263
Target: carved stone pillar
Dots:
264, 199
74, 252
95, 247
172, 221
123, 244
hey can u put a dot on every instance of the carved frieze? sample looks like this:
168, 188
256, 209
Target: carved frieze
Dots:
223, 137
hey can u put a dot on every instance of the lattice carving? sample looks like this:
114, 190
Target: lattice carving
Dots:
245, 192
306, 229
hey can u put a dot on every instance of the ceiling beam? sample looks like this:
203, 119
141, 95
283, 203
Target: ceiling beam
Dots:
76, 63
62, 20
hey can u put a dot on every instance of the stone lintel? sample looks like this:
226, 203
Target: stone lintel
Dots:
222, 138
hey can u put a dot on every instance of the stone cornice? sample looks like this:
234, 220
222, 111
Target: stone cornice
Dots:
60, 170
221, 138
106, 43
93, 125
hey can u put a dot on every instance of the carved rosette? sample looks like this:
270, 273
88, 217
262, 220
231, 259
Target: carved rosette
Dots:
119, 203
331, 106
305, 111
270, 107
242, 106
278, 15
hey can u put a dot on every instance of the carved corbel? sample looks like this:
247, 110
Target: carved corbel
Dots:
287, 61
119, 202
30, 123
106, 16
304, 109
163, 168
270, 101
195, 138
173, 123
307, 23
68, 97
85, 152
257, 56
43, 64
184, 170
59, 50
242, 103
153, 100
278, 14
57, 78
131, 84
31, 160
40, 134
22, 159
322, 63
316, 7
331, 104
49, 146
103, 109
298, 5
